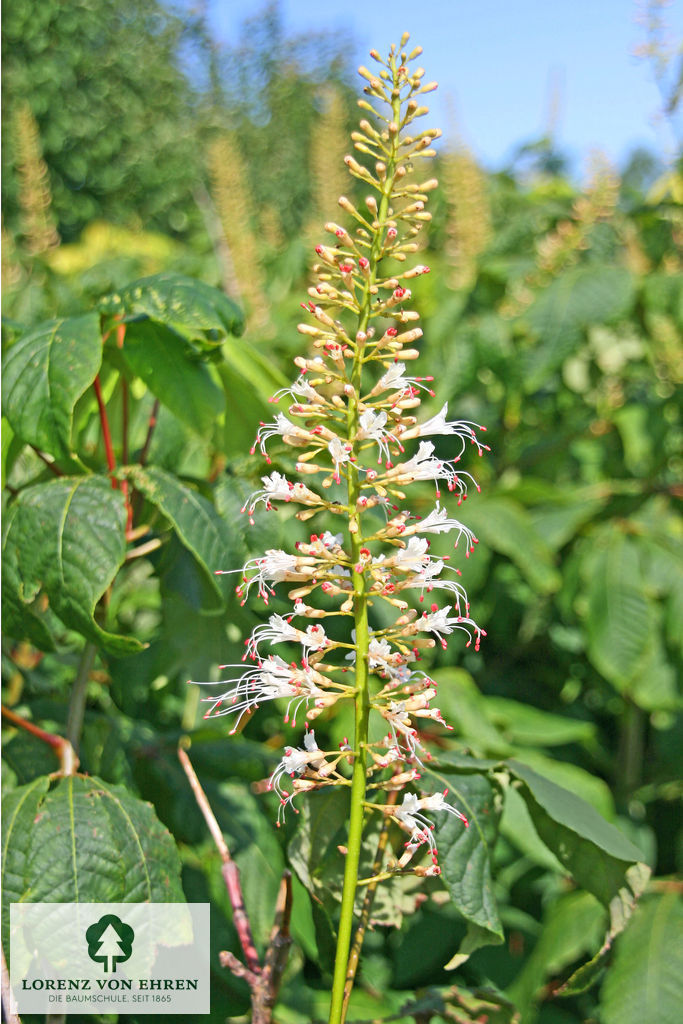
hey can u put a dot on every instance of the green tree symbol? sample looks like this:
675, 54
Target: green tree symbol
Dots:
110, 941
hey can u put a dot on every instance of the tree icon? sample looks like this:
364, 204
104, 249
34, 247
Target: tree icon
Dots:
110, 941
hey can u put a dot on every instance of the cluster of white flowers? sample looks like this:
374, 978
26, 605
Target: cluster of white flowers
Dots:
356, 437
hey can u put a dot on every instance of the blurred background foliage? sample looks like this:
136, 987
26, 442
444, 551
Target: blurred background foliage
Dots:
553, 313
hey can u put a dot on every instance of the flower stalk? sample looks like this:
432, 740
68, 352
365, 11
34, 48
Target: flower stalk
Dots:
351, 421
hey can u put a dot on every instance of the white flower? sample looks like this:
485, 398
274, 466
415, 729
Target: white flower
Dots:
429, 579
421, 828
315, 638
332, 540
299, 389
394, 380
438, 522
277, 630
379, 652
272, 567
414, 557
439, 424
282, 427
280, 630
372, 426
401, 724
276, 487
423, 466
294, 763
272, 679
340, 453
437, 621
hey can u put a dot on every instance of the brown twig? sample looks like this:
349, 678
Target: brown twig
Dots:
7, 1014
264, 981
106, 432
150, 431
120, 337
50, 465
277, 953
230, 871
62, 748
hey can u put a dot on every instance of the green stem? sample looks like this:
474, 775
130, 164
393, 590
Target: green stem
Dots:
631, 751
338, 1004
74, 722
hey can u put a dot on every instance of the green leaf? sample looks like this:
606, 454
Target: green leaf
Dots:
572, 928
573, 777
463, 707
529, 726
160, 357
518, 828
620, 617
84, 841
191, 308
559, 523
44, 375
320, 828
505, 525
27, 616
20, 807
598, 857
314, 854
256, 369
645, 981
465, 854
318, 864
199, 528
582, 296
66, 539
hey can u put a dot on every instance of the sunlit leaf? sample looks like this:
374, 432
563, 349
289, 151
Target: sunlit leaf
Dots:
160, 358
44, 375
196, 311
66, 540
206, 535
84, 841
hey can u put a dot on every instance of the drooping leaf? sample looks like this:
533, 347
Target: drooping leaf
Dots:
27, 617
594, 852
196, 311
645, 981
572, 777
518, 828
598, 857
85, 841
572, 928
465, 853
205, 534
160, 357
620, 619
44, 375
66, 540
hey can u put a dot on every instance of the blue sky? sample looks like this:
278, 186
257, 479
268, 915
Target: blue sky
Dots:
499, 62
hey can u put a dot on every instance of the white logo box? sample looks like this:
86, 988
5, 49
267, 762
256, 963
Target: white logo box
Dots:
109, 957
